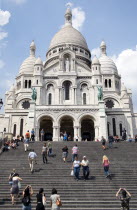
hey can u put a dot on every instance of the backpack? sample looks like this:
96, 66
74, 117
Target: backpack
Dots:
26, 201
125, 202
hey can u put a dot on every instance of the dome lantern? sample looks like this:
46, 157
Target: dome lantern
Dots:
103, 48
32, 48
68, 17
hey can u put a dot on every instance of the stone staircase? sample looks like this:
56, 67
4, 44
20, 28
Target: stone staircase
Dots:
97, 193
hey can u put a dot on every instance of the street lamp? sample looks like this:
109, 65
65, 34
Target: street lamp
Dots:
1, 103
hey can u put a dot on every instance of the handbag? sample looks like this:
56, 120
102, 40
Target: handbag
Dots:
58, 203
44, 201
72, 173
19, 185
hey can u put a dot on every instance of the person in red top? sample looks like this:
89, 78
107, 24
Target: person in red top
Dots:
27, 135
106, 164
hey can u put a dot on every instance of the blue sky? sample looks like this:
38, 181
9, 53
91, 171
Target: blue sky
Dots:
111, 20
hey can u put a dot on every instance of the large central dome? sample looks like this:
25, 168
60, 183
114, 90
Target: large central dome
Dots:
68, 34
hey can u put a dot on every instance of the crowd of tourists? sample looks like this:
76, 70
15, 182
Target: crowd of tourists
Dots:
46, 151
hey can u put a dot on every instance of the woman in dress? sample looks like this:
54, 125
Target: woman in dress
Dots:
53, 199
15, 188
41, 200
26, 200
106, 164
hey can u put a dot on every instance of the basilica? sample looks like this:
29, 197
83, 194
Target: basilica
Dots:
68, 85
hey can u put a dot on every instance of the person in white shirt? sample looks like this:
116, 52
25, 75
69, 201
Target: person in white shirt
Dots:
85, 165
32, 158
76, 168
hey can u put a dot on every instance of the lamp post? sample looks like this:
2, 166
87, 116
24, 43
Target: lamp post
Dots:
1, 103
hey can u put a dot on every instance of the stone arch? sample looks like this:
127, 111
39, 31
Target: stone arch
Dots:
46, 124
21, 99
91, 115
42, 115
115, 99
51, 83
87, 125
83, 83
67, 79
66, 124
67, 51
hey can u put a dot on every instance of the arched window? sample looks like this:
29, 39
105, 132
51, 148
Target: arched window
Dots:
110, 83
106, 83
108, 127
120, 129
66, 85
14, 130
25, 83
21, 127
29, 83
50, 99
96, 81
114, 126
84, 98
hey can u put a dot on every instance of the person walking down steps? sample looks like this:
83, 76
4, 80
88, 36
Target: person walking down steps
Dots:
44, 153
32, 159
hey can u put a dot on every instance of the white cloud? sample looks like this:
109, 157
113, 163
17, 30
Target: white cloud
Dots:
4, 17
95, 51
3, 35
2, 64
126, 63
78, 17
17, 1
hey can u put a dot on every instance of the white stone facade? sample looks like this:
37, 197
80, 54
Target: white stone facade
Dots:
67, 92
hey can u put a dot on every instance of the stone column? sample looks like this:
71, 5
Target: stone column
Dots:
75, 93
102, 120
129, 126
59, 89
77, 131
37, 133
55, 133
96, 132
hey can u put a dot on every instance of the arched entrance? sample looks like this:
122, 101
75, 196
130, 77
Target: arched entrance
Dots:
66, 126
46, 123
87, 129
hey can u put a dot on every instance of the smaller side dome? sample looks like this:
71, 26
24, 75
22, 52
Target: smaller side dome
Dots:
38, 61
95, 61
28, 64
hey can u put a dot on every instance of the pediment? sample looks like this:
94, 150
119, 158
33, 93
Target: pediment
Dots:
53, 69
83, 69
